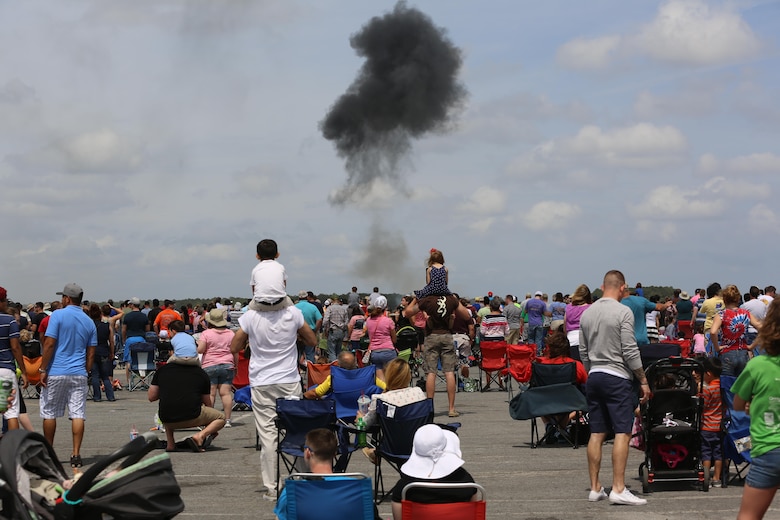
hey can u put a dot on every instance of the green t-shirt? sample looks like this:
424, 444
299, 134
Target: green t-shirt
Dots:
759, 384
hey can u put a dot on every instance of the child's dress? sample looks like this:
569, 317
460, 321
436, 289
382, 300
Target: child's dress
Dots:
437, 286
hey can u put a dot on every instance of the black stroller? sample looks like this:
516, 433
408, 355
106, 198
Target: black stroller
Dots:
31, 477
671, 424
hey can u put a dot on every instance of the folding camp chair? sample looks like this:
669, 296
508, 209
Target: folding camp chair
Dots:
310, 496
346, 387
294, 419
492, 362
519, 361
142, 365
451, 511
552, 391
736, 451
317, 374
395, 438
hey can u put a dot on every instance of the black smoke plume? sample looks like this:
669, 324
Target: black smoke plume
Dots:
407, 87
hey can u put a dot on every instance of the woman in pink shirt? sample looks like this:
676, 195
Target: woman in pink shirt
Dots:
381, 332
217, 361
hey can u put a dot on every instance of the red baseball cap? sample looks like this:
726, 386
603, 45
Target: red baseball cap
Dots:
3, 294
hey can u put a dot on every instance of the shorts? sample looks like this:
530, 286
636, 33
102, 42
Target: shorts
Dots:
62, 391
13, 409
207, 416
610, 403
382, 356
439, 347
220, 374
513, 336
765, 470
711, 446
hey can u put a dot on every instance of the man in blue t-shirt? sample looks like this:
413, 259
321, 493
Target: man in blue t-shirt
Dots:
313, 318
536, 310
10, 356
68, 349
640, 306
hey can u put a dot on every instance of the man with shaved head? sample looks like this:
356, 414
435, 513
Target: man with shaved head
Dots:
609, 352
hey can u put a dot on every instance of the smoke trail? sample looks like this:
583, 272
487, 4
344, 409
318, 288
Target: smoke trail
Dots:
406, 88
384, 260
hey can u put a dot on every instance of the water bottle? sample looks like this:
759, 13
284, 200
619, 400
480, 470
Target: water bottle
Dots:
133, 433
361, 435
6, 386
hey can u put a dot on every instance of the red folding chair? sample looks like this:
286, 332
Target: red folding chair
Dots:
685, 328
520, 360
493, 362
451, 511
685, 346
241, 379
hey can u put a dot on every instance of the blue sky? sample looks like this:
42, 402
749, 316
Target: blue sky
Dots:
145, 148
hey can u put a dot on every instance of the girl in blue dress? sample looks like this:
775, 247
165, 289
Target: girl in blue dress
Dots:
436, 277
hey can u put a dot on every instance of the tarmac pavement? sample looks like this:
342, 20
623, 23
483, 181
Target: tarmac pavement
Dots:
550, 482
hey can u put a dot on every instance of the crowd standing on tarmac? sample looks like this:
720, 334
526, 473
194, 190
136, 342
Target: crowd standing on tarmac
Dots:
732, 333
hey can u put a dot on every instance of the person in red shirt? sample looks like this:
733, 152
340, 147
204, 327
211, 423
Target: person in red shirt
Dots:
712, 418
164, 318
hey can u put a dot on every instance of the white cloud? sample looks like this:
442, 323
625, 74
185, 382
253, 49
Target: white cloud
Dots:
684, 32
763, 219
481, 225
485, 201
642, 145
589, 53
653, 230
690, 32
547, 215
694, 101
755, 163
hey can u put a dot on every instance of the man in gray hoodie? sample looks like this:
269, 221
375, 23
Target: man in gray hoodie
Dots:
609, 352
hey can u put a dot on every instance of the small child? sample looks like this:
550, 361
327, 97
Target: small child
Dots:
184, 348
711, 429
269, 279
699, 342
436, 277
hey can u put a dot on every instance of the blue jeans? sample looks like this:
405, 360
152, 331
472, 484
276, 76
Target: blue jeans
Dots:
102, 370
335, 338
734, 362
536, 335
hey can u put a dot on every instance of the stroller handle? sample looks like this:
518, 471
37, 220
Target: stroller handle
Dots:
134, 450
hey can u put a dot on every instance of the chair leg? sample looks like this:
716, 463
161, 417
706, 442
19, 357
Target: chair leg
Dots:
534, 433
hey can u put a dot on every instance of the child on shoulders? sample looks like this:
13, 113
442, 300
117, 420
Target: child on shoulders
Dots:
184, 348
269, 279
436, 277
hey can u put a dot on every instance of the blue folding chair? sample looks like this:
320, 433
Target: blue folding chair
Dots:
310, 496
737, 425
346, 387
142, 365
294, 419
395, 439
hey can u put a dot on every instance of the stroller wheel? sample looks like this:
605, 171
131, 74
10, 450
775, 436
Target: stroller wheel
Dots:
644, 476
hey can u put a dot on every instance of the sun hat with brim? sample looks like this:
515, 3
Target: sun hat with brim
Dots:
216, 318
684, 296
433, 456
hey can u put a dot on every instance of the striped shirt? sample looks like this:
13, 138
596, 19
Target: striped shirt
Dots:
494, 327
713, 407
9, 329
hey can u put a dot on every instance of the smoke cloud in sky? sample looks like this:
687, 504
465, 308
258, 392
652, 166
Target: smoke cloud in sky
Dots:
384, 260
407, 87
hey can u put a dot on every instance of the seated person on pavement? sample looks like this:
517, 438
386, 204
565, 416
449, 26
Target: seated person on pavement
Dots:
347, 361
184, 392
558, 351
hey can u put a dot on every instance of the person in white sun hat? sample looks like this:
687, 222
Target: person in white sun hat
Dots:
435, 457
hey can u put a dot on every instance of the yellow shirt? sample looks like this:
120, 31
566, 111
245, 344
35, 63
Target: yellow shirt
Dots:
324, 387
710, 308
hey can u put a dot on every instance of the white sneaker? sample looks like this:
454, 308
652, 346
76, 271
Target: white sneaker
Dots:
228, 424
271, 497
626, 498
595, 496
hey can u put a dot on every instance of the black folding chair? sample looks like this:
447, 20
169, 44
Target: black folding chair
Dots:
294, 419
395, 438
552, 391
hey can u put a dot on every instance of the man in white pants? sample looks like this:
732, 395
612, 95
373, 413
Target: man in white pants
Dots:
273, 373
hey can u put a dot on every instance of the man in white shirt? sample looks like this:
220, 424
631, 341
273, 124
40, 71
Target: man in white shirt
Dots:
757, 308
769, 294
273, 373
373, 296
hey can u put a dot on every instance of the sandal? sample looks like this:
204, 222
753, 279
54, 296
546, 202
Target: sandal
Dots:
453, 413
75, 461
208, 440
193, 445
